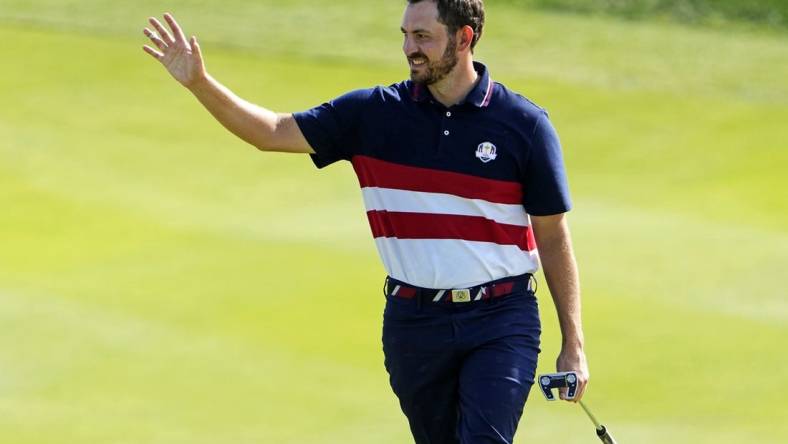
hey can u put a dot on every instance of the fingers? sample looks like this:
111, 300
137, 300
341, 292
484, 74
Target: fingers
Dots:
175, 28
155, 39
165, 35
155, 54
582, 382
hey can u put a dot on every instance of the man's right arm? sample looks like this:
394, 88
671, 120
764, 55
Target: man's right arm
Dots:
264, 129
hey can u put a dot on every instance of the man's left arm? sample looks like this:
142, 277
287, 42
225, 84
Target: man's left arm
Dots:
560, 270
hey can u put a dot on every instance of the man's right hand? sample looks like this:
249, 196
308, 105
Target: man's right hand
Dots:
262, 128
181, 57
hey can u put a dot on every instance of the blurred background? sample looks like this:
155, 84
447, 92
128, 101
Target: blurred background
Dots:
163, 282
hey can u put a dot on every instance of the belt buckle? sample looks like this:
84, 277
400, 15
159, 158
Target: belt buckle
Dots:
462, 295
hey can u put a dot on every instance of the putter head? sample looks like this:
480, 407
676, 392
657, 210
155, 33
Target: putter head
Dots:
550, 381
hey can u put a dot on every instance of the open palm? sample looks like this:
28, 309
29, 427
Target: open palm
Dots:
181, 57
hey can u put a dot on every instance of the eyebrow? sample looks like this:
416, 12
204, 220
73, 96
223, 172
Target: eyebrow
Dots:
423, 31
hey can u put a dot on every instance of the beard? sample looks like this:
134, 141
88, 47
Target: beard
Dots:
437, 70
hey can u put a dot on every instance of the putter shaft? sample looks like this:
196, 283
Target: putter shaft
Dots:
601, 430
590, 415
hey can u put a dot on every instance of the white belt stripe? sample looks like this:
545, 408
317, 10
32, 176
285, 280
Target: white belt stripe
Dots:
439, 296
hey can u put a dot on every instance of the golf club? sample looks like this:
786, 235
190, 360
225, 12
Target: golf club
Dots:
550, 381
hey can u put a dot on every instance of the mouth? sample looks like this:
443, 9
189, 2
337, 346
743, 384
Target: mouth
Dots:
416, 62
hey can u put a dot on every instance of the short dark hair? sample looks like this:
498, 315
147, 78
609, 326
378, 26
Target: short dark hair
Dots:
458, 13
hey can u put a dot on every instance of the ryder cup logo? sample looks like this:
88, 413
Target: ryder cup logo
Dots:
486, 152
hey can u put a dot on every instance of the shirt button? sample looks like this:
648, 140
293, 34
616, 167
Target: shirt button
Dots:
446, 133
448, 113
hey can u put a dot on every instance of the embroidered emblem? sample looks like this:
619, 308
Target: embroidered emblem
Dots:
486, 152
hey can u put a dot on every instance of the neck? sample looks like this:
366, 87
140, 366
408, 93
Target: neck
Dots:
453, 88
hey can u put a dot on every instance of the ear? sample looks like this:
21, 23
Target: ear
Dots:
464, 38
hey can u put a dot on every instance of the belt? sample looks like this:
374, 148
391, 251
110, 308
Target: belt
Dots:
490, 290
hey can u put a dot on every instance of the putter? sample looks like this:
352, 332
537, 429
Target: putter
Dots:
551, 381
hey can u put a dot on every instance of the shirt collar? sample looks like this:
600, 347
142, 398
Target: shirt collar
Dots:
479, 96
482, 92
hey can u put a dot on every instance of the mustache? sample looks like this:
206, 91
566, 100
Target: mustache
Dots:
417, 55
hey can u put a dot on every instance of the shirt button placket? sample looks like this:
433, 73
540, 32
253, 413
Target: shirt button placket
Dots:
445, 133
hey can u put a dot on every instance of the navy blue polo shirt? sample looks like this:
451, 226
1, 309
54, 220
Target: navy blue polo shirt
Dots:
448, 191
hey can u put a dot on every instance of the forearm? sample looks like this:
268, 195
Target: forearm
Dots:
254, 124
560, 271
561, 274
264, 129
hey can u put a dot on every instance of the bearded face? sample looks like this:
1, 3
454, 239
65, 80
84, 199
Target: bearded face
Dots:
429, 71
430, 47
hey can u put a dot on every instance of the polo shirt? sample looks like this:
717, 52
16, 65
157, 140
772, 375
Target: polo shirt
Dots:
448, 190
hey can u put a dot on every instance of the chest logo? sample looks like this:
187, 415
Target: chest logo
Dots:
486, 152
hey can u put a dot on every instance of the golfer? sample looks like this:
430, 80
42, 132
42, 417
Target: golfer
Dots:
462, 179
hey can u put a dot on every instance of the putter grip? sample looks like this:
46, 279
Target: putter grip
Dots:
604, 436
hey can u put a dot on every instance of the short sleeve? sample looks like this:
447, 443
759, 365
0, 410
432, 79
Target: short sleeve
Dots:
545, 188
332, 128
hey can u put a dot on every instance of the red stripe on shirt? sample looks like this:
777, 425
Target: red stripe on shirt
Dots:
373, 172
448, 226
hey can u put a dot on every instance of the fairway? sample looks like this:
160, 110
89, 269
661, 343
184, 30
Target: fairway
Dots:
163, 282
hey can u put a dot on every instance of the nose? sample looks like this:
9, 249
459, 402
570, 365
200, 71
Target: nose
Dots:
408, 47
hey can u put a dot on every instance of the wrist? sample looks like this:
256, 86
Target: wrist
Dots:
575, 342
199, 83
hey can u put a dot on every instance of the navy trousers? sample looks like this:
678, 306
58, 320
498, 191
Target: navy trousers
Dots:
462, 371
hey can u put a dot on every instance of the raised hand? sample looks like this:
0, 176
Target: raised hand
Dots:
181, 57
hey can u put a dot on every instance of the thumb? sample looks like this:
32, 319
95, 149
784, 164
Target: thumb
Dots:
195, 47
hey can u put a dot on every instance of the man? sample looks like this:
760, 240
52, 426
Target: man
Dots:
461, 178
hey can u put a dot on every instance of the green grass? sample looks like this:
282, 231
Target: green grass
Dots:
162, 282
771, 13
